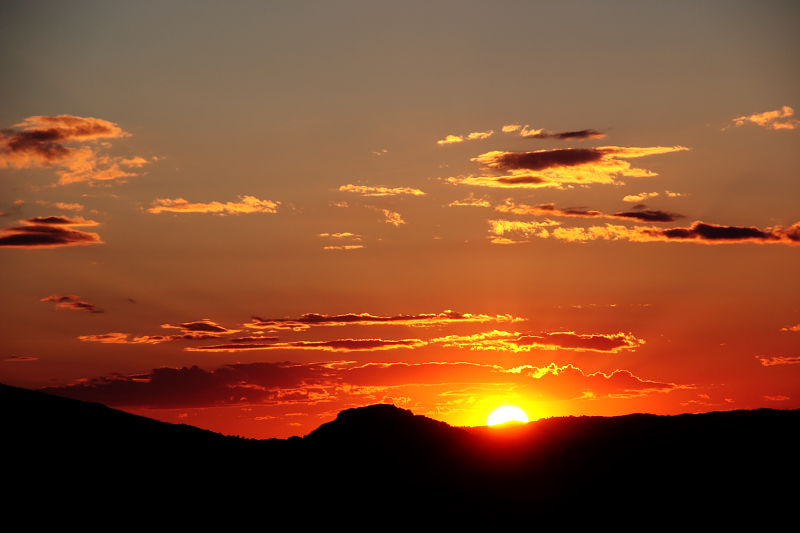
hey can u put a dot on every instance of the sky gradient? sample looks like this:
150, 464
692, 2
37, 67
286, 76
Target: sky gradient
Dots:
249, 216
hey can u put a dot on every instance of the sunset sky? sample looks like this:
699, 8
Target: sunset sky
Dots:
248, 216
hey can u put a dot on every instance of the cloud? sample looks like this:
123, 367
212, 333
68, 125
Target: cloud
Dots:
558, 340
470, 201
510, 128
699, 233
338, 345
62, 205
473, 136
549, 209
578, 135
287, 383
343, 247
642, 196
779, 360
71, 302
390, 217
365, 190
344, 236
128, 338
20, 359
44, 141
190, 331
309, 320
49, 232
795, 328
560, 167
777, 119
205, 325
778, 398
245, 205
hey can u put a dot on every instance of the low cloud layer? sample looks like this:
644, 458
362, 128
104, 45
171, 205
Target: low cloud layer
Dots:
306, 383
245, 205
779, 360
49, 232
70, 144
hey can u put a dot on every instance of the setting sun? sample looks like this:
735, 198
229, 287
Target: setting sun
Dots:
507, 413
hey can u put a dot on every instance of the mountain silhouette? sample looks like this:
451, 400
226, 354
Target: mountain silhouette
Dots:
383, 458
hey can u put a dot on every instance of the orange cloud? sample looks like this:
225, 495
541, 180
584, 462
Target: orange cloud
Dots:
342, 236
365, 190
475, 135
205, 326
245, 205
71, 302
795, 328
557, 340
510, 128
777, 119
44, 141
308, 320
779, 360
565, 166
49, 232
62, 205
641, 197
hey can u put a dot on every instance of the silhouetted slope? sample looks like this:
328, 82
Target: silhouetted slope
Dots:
384, 457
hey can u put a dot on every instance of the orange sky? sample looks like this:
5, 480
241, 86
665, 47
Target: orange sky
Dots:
250, 218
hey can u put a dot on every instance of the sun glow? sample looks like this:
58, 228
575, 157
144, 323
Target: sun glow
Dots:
507, 413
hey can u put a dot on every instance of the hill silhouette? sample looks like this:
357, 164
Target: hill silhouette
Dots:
384, 457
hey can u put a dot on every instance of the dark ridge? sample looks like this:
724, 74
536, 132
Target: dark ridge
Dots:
382, 459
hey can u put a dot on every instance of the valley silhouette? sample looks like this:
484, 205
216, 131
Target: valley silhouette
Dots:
382, 457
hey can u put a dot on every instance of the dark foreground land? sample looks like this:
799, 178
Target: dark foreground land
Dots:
84, 455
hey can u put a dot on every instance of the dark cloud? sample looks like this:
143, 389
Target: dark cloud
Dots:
71, 302
49, 232
20, 359
711, 233
542, 159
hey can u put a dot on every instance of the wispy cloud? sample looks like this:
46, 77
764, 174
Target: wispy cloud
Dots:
470, 201
577, 135
49, 232
20, 359
390, 217
245, 205
50, 141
